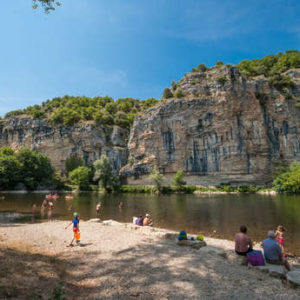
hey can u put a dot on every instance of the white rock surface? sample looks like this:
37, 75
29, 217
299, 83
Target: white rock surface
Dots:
193, 244
213, 251
294, 277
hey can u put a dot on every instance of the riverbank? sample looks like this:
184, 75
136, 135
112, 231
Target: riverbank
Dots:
117, 261
147, 189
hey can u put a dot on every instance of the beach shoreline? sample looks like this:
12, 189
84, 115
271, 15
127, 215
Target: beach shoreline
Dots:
123, 261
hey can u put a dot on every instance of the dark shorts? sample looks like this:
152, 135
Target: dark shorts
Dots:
275, 262
243, 253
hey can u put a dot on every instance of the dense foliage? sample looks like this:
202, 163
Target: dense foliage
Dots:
271, 64
80, 176
73, 162
27, 167
178, 181
288, 180
104, 174
157, 178
70, 110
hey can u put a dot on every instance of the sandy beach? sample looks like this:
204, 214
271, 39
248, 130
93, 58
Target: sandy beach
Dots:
117, 261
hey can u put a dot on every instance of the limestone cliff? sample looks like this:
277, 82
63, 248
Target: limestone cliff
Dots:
85, 139
226, 129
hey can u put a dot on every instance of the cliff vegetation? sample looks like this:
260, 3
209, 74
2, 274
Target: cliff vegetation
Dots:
70, 110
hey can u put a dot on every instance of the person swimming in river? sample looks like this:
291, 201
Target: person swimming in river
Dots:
76, 230
280, 238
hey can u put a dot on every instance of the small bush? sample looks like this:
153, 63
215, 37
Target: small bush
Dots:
178, 182
219, 64
187, 189
194, 70
281, 82
178, 93
167, 94
174, 85
222, 79
201, 68
136, 189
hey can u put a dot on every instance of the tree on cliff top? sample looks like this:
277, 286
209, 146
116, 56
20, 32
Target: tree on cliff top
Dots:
271, 64
104, 173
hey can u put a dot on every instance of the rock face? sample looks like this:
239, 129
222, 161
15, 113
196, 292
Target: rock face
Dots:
85, 140
225, 130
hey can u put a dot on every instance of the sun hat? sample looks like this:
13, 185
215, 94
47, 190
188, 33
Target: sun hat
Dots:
75, 214
147, 215
271, 234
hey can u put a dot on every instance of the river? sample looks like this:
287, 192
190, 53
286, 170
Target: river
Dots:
215, 215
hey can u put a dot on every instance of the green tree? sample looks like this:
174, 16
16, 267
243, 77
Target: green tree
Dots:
80, 177
201, 68
35, 168
281, 82
73, 162
219, 64
9, 169
104, 173
178, 182
289, 180
167, 94
157, 178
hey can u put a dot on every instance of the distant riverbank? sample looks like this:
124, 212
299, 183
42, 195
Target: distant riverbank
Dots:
147, 189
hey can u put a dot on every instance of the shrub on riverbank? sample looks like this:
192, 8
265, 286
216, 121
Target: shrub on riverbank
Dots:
26, 168
136, 189
239, 189
189, 189
80, 176
288, 180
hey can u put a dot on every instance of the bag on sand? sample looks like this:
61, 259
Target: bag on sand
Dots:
255, 258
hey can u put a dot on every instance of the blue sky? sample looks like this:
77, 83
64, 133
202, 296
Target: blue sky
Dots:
131, 48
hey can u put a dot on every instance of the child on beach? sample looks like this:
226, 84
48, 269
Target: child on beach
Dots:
76, 231
280, 238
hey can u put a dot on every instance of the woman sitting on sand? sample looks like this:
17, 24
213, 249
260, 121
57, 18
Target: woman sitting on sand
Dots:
147, 221
243, 243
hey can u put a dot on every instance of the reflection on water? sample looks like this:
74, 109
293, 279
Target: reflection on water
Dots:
194, 213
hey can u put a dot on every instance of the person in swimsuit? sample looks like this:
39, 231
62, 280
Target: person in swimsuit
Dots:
98, 209
243, 243
280, 238
75, 223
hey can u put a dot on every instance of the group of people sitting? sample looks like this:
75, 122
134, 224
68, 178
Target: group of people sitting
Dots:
273, 246
144, 221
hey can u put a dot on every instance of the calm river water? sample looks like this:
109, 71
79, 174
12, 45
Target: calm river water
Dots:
216, 215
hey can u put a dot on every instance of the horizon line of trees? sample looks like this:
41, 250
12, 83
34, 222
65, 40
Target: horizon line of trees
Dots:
69, 110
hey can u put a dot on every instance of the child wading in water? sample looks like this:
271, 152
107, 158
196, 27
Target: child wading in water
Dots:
76, 231
280, 239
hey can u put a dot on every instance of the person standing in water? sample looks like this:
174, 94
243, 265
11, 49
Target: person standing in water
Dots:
280, 238
76, 231
98, 209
